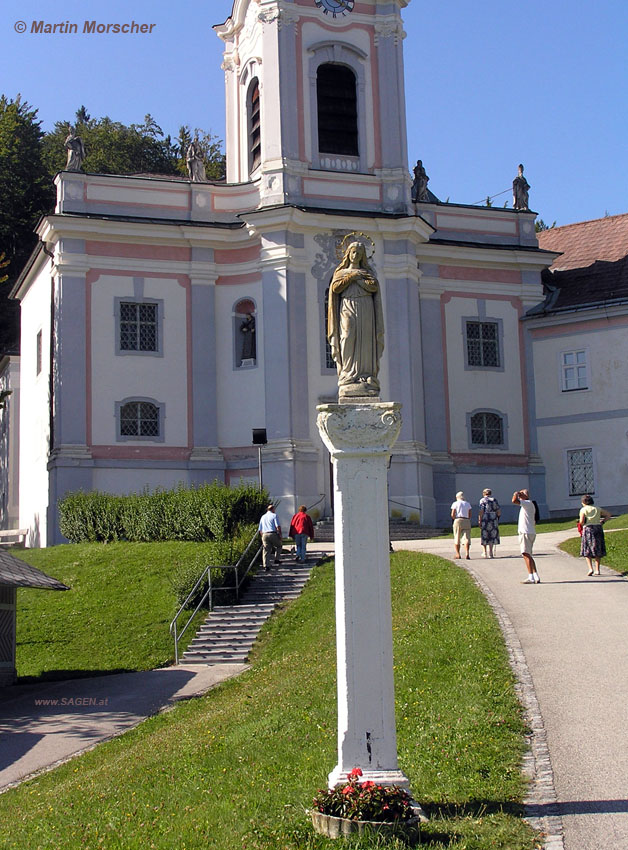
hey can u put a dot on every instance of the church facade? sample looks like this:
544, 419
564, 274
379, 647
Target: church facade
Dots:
163, 320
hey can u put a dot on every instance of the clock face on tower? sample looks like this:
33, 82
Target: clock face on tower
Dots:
335, 7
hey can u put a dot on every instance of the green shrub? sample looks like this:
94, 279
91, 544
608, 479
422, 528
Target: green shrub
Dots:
208, 512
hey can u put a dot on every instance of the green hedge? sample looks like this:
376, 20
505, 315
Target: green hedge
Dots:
208, 512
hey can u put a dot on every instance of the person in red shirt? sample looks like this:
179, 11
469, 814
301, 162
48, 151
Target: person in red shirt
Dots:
301, 527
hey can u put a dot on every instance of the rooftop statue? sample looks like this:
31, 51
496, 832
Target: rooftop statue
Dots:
520, 189
419, 187
76, 151
355, 327
195, 161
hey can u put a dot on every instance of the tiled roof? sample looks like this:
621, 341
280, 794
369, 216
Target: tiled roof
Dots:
593, 268
17, 573
587, 241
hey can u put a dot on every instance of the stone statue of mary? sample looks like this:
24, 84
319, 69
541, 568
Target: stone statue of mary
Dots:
355, 324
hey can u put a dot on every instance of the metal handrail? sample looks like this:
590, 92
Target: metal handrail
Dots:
177, 635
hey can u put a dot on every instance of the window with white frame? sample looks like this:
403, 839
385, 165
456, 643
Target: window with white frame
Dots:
138, 326
487, 429
482, 342
580, 472
139, 419
574, 370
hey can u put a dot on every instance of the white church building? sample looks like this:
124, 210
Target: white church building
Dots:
138, 367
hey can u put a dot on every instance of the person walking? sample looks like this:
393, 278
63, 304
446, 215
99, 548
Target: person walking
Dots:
592, 545
526, 528
488, 520
461, 515
301, 527
270, 530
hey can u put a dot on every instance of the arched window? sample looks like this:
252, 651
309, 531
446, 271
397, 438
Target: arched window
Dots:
139, 419
487, 429
255, 126
337, 110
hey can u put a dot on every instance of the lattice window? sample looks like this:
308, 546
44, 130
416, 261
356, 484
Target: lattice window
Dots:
487, 429
574, 371
138, 326
255, 126
581, 479
139, 419
483, 344
337, 104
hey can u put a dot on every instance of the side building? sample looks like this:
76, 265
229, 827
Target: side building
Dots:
580, 342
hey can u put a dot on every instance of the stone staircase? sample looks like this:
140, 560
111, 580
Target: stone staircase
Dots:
400, 529
229, 632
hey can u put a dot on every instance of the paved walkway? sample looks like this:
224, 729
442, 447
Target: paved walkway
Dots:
573, 632
42, 725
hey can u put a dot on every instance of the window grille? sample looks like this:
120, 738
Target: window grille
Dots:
255, 126
581, 478
483, 344
487, 429
337, 110
138, 327
139, 419
574, 371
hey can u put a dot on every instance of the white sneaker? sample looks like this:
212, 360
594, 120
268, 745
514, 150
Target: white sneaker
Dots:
529, 581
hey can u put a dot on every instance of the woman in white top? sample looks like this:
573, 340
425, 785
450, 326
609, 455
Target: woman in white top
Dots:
592, 546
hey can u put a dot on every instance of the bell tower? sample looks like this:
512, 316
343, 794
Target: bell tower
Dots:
315, 102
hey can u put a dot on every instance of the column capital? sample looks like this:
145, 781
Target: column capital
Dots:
359, 429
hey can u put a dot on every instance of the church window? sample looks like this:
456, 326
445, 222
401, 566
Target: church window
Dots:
140, 419
574, 371
337, 110
255, 126
487, 429
580, 472
138, 326
482, 339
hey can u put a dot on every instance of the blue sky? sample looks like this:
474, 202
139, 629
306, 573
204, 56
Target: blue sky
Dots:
488, 85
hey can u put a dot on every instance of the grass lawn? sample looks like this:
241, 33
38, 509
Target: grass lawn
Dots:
616, 547
116, 615
238, 768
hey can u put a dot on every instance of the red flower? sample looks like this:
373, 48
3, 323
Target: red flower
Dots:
368, 785
355, 772
348, 789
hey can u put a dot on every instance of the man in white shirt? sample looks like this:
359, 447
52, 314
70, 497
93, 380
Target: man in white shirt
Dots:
461, 515
527, 532
270, 530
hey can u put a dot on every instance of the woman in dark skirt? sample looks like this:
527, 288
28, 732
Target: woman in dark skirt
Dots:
592, 546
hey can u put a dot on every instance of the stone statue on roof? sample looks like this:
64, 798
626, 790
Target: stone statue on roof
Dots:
420, 191
195, 161
76, 151
520, 189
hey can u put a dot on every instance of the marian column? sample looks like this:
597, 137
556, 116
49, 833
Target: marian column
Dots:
360, 432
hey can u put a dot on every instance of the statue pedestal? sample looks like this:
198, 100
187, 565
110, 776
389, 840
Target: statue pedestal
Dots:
360, 438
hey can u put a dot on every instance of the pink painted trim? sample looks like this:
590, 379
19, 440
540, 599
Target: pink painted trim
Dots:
141, 452
234, 280
492, 275
377, 110
138, 203
446, 297
237, 255
443, 324
485, 459
135, 251
580, 326
348, 195
236, 474
238, 452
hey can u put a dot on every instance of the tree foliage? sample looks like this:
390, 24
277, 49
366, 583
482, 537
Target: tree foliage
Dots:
540, 225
